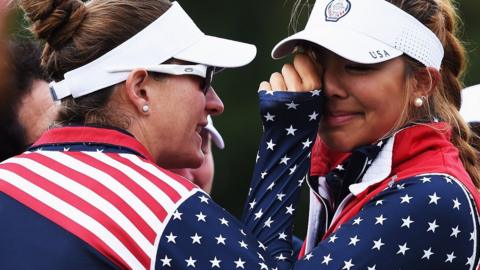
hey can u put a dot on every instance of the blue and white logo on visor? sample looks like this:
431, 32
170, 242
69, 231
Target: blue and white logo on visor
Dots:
336, 10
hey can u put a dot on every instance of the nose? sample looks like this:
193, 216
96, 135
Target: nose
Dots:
332, 84
214, 104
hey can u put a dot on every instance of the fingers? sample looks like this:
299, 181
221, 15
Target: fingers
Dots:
308, 71
277, 82
301, 76
265, 86
292, 80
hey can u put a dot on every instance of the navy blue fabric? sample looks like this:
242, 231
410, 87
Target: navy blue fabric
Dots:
202, 235
89, 147
30, 241
401, 226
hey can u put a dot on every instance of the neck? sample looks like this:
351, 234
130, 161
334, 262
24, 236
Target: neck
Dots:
138, 130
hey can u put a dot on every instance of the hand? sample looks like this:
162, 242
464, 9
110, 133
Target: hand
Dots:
302, 76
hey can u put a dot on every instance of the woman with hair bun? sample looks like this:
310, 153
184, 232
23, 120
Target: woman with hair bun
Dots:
95, 192
394, 178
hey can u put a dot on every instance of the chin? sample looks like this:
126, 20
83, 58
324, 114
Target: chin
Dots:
196, 163
339, 147
181, 160
195, 159
337, 141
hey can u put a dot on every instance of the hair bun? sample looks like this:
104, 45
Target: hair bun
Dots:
54, 21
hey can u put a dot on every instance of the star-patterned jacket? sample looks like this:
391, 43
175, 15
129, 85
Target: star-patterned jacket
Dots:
415, 208
92, 198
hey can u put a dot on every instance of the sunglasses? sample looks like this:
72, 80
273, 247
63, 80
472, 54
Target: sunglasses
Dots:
203, 71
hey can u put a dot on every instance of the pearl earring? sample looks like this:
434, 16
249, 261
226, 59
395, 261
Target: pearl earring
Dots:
418, 102
145, 108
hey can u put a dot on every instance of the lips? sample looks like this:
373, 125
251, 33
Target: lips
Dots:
339, 118
201, 126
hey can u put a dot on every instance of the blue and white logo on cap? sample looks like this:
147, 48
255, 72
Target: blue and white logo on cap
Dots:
337, 9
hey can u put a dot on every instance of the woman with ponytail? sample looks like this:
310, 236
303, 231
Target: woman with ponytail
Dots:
394, 178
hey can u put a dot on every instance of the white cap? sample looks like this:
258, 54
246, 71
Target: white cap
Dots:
216, 137
172, 35
367, 32
471, 104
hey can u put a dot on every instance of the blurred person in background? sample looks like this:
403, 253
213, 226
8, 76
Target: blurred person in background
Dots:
203, 175
4, 81
28, 107
470, 111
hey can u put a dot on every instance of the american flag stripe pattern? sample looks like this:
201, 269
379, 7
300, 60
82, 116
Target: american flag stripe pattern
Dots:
109, 213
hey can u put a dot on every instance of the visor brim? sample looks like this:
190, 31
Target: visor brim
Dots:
218, 52
351, 45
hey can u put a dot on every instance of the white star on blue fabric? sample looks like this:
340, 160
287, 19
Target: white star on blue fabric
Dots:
191, 262
239, 263
166, 261
313, 116
402, 249
270, 145
427, 254
292, 105
285, 160
307, 143
196, 238
291, 130
270, 117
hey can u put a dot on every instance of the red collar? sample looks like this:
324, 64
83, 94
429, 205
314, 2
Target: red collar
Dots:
415, 150
427, 148
82, 134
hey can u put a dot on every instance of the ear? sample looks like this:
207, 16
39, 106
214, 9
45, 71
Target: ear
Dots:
136, 90
426, 80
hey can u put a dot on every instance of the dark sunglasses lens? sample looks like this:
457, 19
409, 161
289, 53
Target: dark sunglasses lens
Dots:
208, 80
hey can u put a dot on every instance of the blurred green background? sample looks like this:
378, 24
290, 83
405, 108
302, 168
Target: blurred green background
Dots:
264, 23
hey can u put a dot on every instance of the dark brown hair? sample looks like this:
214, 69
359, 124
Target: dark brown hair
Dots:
23, 58
441, 17
76, 34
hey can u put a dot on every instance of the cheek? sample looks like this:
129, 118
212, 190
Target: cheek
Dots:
383, 111
385, 107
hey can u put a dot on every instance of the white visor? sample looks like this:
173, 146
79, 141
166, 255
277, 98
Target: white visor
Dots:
470, 104
367, 32
172, 35
216, 137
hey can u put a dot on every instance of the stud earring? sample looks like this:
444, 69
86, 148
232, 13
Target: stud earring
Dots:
418, 102
145, 108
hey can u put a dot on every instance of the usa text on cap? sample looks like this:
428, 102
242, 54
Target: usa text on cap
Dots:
366, 31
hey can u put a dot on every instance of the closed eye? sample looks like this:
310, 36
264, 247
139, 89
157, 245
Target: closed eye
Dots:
360, 67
